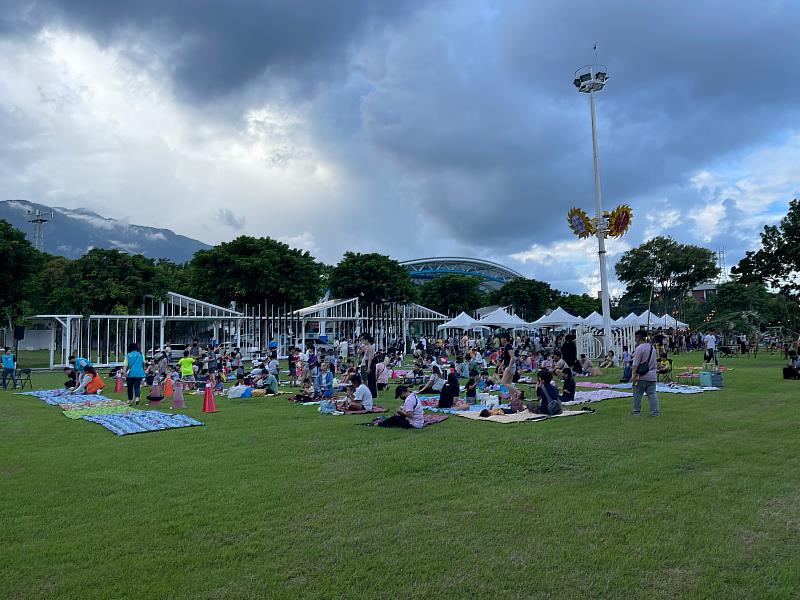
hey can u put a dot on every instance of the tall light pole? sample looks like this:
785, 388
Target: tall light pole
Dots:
588, 80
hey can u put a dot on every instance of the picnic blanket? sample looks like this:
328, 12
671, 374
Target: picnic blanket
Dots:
91, 411
91, 404
433, 419
141, 421
593, 384
672, 388
472, 408
61, 396
520, 417
596, 396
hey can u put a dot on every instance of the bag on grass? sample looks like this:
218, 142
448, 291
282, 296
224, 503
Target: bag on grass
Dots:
327, 407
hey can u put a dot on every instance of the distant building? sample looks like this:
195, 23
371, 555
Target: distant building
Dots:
703, 291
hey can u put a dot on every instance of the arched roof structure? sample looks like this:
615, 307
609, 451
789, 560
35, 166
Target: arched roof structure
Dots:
491, 275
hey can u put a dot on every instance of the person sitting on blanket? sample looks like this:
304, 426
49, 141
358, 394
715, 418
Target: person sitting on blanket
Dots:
472, 387
306, 390
436, 381
409, 415
361, 398
326, 380
449, 392
269, 383
609, 361
91, 382
568, 389
587, 367
72, 378
559, 364
549, 404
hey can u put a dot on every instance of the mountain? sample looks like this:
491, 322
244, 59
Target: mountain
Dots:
73, 232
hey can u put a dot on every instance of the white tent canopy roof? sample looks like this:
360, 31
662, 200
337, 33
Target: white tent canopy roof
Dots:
559, 317
646, 318
502, 318
594, 320
462, 321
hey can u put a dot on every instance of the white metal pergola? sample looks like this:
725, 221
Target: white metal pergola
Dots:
103, 339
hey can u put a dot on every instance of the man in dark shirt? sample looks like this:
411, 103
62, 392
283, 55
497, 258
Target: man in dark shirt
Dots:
569, 351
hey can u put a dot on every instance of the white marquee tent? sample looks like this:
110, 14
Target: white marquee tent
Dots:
558, 318
502, 318
462, 321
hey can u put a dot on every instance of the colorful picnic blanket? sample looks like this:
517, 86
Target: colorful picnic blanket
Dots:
672, 388
61, 396
375, 409
472, 408
91, 404
141, 421
520, 417
97, 410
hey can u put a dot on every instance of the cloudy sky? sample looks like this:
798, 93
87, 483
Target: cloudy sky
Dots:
419, 128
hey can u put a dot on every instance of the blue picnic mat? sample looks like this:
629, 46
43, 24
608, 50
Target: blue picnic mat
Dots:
141, 421
61, 396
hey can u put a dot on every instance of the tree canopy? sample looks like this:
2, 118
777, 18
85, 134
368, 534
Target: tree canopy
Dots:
669, 267
374, 278
579, 304
21, 261
251, 270
528, 297
451, 294
777, 262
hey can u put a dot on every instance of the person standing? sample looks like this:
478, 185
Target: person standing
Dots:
9, 368
313, 369
133, 371
711, 347
645, 375
369, 363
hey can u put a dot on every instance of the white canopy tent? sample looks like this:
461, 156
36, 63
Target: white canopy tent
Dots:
557, 318
595, 320
502, 318
462, 321
647, 318
668, 321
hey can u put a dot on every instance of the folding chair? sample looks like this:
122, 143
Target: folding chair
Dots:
665, 375
23, 377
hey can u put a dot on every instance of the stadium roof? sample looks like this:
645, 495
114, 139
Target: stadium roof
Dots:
492, 275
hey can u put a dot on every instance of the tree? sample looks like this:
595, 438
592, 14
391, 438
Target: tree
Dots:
374, 278
21, 261
670, 268
528, 297
777, 262
106, 281
452, 294
253, 270
579, 304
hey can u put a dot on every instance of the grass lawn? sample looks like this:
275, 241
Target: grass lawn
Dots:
269, 499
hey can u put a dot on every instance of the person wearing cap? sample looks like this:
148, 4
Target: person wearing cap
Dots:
409, 415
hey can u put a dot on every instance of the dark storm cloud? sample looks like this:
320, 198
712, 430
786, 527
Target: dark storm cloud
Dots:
215, 47
462, 114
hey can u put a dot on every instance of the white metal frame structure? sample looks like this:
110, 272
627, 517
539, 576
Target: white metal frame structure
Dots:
103, 339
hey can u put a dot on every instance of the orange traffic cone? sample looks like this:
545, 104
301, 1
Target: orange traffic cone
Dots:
177, 397
208, 399
168, 387
118, 384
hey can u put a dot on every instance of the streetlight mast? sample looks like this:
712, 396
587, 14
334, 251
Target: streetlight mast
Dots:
588, 80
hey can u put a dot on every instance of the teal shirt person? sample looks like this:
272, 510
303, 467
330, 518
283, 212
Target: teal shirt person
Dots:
8, 360
134, 362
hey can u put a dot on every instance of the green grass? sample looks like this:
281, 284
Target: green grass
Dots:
269, 499
33, 359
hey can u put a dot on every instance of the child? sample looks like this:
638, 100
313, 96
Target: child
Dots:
472, 387
626, 365
568, 389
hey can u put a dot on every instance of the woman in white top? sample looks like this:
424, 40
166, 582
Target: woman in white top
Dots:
435, 383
